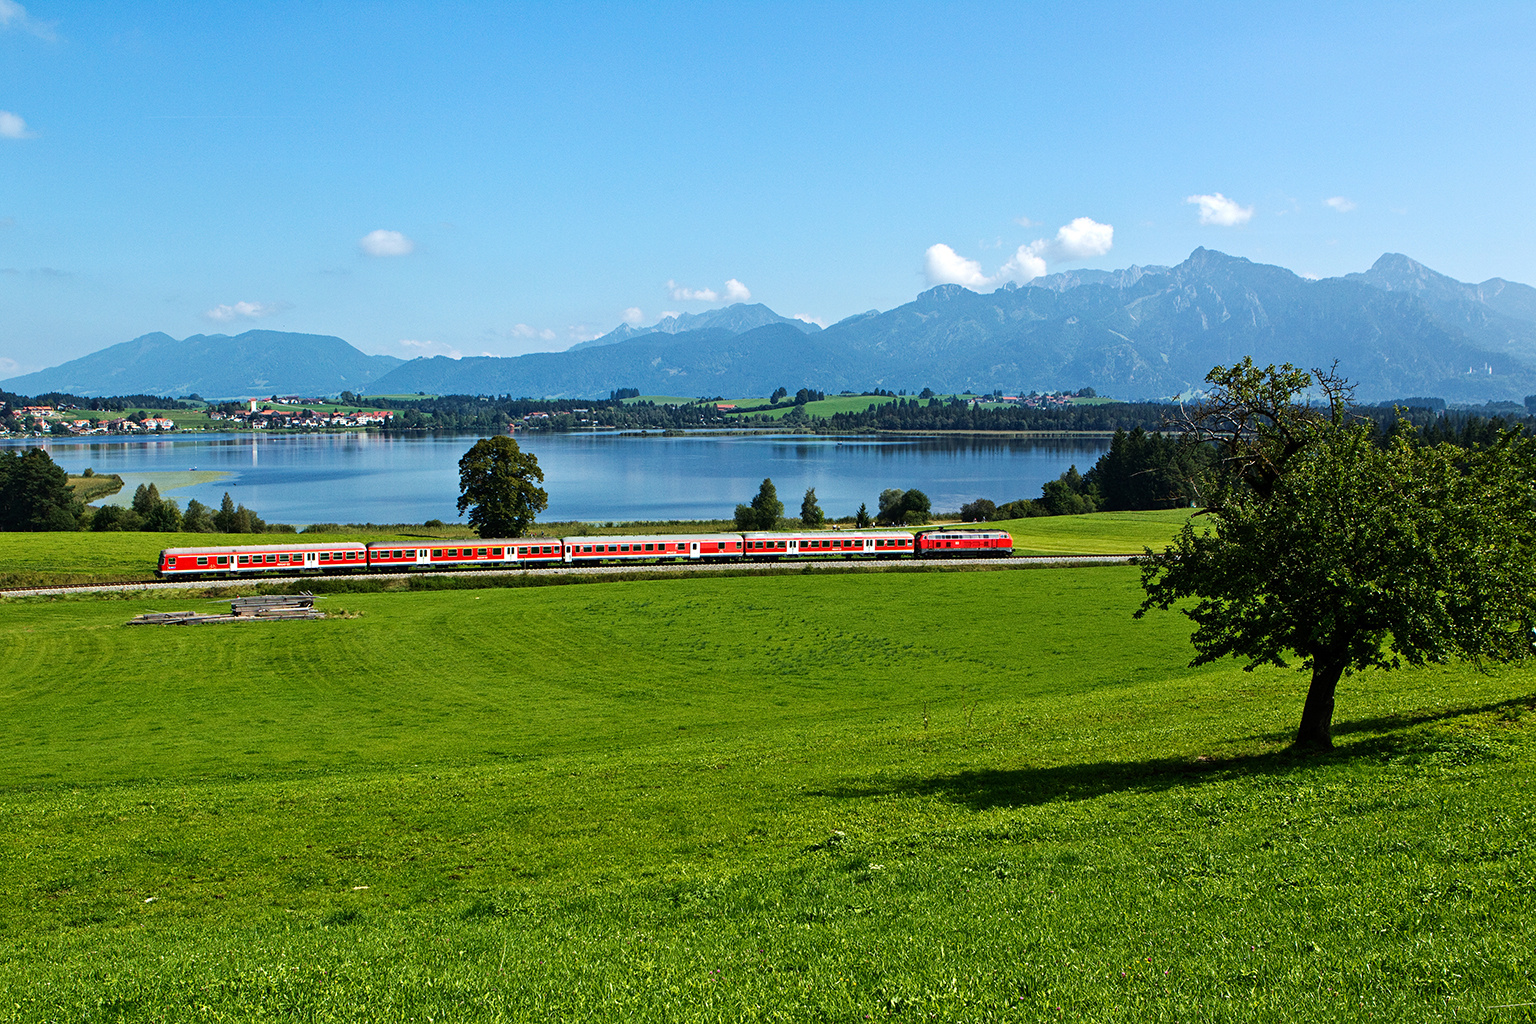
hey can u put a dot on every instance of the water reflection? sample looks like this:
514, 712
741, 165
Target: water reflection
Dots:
304, 478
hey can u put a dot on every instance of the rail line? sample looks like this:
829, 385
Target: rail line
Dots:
669, 568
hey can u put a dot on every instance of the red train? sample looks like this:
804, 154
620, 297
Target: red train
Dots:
265, 559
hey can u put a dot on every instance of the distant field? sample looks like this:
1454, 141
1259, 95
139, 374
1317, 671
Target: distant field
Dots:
167, 483
1100, 533
36, 559
951, 797
824, 409
95, 487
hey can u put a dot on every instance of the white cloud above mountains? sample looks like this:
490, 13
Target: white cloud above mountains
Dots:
1217, 209
13, 127
1084, 238
1340, 203
733, 291
385, 243
223, 314
430, 348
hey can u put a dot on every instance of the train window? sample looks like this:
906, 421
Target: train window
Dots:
623, 547
202, 561
244, 559
282, 558
495, 552
325, 556
351, 556
547, 550
650, 547
399, 554
223, 559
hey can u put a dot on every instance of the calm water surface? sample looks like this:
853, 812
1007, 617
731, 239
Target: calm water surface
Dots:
313, 478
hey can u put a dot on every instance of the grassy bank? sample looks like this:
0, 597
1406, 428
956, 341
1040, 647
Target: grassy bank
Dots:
933, 796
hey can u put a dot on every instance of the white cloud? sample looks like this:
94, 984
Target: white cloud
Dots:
431, 348
682, 294
13, 14
13, 127
1025, 222
582, 332
386, 243
942, 265
8, 366
633, 316
1218, 209
1084, 238
242, 311
669, 314
1340, 204
806, 317
733, 291
525, 332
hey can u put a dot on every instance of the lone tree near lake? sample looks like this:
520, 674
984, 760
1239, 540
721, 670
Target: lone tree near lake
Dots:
764, 511
1344, 548
498, 484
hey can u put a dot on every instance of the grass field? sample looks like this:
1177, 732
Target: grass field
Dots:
797, 798
41, 559
95, 487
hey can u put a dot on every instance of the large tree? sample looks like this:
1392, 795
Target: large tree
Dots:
35, 494
765, 510
498, 484
1330, 544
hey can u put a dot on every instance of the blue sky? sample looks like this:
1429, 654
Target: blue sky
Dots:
424, 178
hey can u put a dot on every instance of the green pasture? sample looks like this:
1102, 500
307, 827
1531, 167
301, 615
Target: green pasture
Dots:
825, 408
922, 796
95, 487
167, 482
1098, 533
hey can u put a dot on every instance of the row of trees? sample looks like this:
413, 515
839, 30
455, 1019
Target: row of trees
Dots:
896, 508
35, 496
153, 514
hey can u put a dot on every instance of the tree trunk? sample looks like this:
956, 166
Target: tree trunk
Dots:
1316, 732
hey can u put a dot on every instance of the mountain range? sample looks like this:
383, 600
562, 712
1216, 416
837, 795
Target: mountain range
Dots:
252, 364
1398, 329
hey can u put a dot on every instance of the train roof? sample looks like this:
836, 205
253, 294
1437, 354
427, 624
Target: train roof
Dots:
230, 549
782, 535
654, 538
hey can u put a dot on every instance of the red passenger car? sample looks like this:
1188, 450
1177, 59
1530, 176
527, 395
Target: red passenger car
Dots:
838, 544
657, 547
976, 543
466, 554
260, 559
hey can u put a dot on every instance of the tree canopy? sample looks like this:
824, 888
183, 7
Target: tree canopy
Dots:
764, 511
498, 484
1345, 549
811, 515
35, 494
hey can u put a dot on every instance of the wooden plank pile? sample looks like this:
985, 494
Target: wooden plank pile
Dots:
242, 609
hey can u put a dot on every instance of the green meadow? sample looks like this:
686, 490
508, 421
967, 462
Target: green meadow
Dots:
909, 796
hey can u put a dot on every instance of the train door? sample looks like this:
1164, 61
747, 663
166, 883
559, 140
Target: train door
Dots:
311, 559
693, 549
422, 556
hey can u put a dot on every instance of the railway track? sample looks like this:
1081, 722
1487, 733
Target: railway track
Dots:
671, 568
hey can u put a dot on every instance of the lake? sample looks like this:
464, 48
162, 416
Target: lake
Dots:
357, 477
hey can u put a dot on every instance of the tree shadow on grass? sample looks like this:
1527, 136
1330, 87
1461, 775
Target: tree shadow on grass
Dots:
1380, 739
